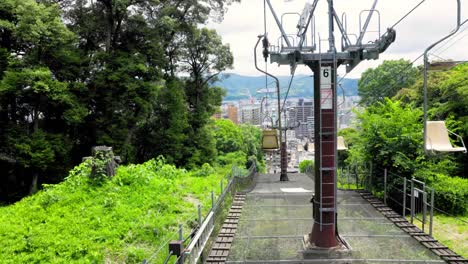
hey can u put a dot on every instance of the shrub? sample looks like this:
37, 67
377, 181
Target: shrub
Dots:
122, 220
306, 166
451, 194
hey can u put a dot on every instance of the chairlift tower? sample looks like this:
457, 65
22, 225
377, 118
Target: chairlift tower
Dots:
301, 48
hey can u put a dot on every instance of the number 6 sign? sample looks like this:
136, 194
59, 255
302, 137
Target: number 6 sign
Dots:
326, 92
325, 76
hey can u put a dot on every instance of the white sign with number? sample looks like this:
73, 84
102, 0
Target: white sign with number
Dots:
326, 92
325, 76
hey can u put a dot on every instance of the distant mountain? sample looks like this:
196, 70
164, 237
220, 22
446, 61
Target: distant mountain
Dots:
238, 87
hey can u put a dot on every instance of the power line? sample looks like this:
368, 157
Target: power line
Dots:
449, 40
289, 88
405, 16
393, 76
455, 42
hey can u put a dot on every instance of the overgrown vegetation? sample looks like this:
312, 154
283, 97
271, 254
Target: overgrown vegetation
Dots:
76, 74
389, 131
306, 166
121, 220
92, 218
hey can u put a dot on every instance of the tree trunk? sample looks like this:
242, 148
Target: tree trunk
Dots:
109, 23
33, 188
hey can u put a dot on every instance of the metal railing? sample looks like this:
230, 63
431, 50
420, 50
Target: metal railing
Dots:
355, 176
198, 243
412, 198
199, 237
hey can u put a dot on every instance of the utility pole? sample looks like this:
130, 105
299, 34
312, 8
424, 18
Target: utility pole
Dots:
324, 65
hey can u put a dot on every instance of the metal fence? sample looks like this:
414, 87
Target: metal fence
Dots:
173, 249
355, 176
413, 198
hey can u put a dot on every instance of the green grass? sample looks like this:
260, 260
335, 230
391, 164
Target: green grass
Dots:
346, 186
122, 220
451, 232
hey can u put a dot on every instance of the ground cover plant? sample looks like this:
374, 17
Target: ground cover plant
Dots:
119, 220
451, 232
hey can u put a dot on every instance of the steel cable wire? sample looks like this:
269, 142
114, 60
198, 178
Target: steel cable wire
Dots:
450, 39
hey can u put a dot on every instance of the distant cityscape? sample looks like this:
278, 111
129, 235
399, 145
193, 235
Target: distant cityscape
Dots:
298, 116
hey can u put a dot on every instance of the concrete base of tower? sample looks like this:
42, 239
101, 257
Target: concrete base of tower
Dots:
312, 251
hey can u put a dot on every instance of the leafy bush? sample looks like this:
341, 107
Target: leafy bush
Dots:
451, 193
123, 220
390, 137
243, 140
204, 171
306, 166
236, 158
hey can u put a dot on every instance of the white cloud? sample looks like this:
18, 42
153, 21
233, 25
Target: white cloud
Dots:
433, 20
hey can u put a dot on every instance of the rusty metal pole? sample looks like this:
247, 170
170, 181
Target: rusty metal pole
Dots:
324, 233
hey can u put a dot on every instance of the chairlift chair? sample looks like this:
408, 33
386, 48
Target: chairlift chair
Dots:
437, 138
341, 144
436, 134
270, 139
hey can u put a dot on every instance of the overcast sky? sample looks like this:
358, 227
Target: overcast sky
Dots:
430, 22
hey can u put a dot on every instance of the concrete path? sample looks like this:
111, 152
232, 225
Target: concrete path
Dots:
277, 214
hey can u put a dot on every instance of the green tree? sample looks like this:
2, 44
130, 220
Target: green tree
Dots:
107, 72
447, 100
130, 47
389, 136
253, 145
35, 101
164, 131
204, 56
385, 81
228, 136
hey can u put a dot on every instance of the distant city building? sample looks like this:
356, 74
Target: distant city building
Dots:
228, 111
232, 113
303, 113
250, 114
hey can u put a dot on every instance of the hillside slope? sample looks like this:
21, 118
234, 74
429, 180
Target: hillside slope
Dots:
121, 220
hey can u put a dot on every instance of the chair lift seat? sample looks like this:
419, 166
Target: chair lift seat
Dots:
437, 138
270, 140
341, 144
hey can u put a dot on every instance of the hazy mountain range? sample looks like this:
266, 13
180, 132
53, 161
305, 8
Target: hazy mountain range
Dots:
239, 87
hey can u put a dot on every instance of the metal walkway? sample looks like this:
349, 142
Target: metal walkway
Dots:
276, 215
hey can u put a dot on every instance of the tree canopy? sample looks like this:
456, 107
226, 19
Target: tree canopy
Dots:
80, 73
386, 80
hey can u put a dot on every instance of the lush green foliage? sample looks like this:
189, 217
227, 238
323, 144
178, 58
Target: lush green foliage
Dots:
386, 80
390, 136
238, 143
451, 193
306, 166
76, 74
122, 220
447, 100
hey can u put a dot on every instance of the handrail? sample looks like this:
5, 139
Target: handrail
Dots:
201, 234
198, 243
460, 138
